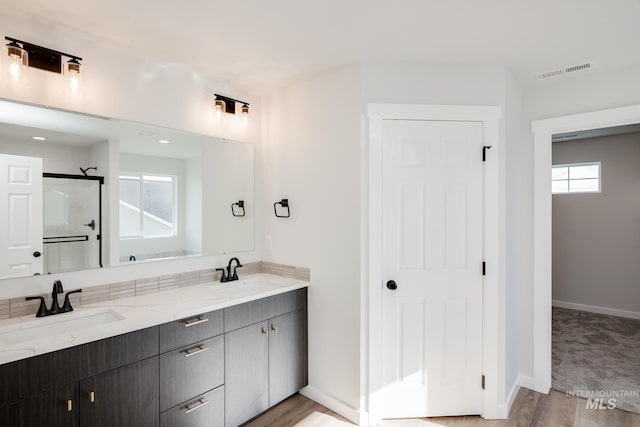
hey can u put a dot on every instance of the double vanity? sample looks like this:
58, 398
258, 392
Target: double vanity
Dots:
214, 354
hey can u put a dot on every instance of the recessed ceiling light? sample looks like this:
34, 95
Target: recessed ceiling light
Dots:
164, 141
39, 138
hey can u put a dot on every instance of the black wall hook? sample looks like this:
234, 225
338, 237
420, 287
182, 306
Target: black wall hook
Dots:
240, 205
284, 203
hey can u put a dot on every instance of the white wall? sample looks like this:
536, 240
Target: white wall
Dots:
58, 158
312, 156
120, 86
591, 91
596, 240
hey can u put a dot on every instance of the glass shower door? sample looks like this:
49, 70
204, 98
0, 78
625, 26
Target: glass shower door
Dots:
71, 224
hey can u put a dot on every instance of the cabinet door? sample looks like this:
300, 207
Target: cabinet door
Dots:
54, 408
124, 397
287, 356
246, 364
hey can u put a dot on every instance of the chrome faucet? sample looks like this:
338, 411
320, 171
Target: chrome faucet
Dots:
55, 307
229, 275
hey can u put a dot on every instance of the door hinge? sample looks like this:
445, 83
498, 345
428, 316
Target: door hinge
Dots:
483, 381
484, 268
484, 152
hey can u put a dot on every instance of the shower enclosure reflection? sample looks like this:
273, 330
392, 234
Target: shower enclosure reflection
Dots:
72, 222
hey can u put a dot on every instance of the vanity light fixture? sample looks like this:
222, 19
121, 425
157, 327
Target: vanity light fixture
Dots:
224, 104
164, 141
39, 138
23, 55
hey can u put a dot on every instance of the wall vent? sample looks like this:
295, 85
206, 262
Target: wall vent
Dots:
564, 71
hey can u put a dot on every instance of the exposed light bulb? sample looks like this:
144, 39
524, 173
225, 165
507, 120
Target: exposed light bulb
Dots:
15, 69
72, 71
18, 59
245, 115
219, 105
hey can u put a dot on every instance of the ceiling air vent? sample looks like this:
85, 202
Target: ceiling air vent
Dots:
564, 70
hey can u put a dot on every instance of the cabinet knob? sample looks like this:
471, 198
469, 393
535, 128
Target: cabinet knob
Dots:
265, 332
69, 405
92, 397
274, 329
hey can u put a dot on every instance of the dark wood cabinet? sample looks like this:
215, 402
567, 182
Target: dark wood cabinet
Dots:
54, 408
246, 364
206, 410
190, 330
216, 369
124, 397
190, 371
265, 362
287, 356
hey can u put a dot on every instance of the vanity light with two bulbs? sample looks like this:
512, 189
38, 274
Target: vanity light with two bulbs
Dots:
20, 56
224, 104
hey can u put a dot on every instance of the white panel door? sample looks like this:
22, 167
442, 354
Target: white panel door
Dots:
20, 216
432, 238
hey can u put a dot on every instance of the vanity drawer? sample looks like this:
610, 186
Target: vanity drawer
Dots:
206, 410
256, 311
190, 371
189, 330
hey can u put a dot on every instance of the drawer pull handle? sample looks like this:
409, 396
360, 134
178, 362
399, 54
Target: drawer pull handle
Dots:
194, 322
274, 329
265, 332
69, 405
189, 353
92, 397
198, 406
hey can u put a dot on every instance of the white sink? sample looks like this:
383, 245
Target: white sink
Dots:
48, 327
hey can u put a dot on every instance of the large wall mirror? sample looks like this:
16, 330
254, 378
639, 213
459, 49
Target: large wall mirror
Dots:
82, 192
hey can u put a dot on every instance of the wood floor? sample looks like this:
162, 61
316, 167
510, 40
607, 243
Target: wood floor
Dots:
529, 409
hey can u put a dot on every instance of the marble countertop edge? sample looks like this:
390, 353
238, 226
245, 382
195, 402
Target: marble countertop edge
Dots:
140, 312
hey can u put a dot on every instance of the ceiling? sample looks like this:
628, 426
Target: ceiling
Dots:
258, 43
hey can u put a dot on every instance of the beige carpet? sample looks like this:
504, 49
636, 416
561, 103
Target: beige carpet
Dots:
595, 355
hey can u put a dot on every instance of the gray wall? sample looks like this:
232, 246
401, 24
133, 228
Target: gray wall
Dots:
596, 237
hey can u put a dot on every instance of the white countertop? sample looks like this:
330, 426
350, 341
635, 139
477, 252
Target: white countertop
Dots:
27, 336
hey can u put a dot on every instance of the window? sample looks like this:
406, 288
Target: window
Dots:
575, 178
147, 206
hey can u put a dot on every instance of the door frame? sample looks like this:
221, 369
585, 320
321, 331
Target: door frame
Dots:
543, 130
493, 351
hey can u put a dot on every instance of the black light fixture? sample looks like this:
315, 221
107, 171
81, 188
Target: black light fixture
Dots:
23, 55
224, 104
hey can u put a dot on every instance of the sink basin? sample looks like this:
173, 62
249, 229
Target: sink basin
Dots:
47, 327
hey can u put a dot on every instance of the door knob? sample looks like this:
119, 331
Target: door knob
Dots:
391, 284
36, 254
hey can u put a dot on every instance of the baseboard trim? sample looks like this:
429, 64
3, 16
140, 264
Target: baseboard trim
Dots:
352, 414
597, 309
526, 381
